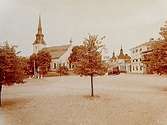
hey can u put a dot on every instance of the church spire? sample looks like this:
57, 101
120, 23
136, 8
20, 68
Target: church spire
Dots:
113, 54
39, 36
39, 26
121, 54
121, 50
113, 58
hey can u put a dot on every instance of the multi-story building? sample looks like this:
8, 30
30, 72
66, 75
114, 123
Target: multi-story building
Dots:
137, 65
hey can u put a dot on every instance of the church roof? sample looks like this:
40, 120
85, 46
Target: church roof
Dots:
121, 54
57, 51
113, 58
127, 58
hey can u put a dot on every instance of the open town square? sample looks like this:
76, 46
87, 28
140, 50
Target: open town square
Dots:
83, 62
125, 99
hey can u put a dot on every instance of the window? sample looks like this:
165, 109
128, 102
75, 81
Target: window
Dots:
54, 66
136, 68
70, 66
136, 60
140, 49
141, 68
133, 68
136, 50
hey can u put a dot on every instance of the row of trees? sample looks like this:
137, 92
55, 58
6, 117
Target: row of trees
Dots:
156, 58
86, 59
14, 68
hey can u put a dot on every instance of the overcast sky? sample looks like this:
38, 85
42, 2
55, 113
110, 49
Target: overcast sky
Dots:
126, 22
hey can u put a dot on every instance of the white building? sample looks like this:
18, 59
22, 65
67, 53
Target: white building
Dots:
122, 61
59, 54
136, 56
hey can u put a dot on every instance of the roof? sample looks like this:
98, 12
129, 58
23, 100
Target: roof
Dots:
121, 56
57, 51
150, 42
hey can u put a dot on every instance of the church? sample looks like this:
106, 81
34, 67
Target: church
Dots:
59, 54
122, 61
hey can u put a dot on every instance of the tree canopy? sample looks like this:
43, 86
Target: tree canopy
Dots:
87, 58
156, 59
11, 67
40, 62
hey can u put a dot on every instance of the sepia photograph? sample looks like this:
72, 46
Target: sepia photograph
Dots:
83, 62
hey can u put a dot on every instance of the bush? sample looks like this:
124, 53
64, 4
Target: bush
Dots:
62, 70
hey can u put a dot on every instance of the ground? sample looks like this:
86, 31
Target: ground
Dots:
124, 99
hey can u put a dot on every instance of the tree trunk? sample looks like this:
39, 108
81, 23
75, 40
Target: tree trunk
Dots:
0, 95
92, 93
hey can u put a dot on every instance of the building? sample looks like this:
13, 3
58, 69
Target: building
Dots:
59, 54
137, 55
122, 61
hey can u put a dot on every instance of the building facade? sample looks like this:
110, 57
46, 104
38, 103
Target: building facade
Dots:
137, 56
59, 54
122, 61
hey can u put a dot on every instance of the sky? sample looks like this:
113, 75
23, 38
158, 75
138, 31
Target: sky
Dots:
123, 22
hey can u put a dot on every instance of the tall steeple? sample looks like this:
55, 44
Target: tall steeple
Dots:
113, 54
113, 58
121, 50
39, 42
121, 54
39, 26
39, 36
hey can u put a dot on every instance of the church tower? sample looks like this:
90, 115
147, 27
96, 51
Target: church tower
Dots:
39, 42
121, 54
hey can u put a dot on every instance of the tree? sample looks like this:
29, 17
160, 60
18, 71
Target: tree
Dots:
87, 58
11, 69
62, 70
32, 64
163, 31
43, 62
21, 72
156, 58
39, 62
